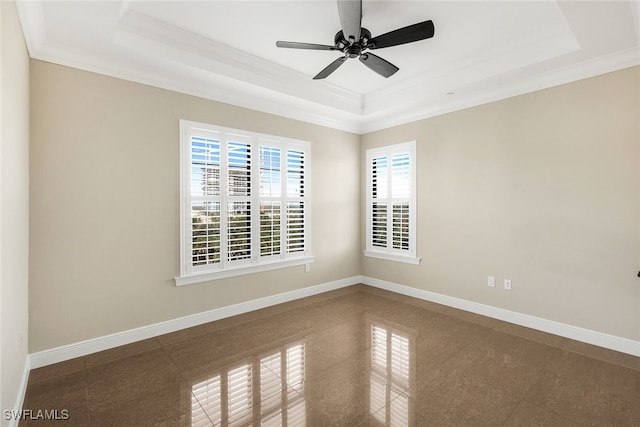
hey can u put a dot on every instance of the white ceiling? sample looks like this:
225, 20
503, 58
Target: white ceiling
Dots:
225, 50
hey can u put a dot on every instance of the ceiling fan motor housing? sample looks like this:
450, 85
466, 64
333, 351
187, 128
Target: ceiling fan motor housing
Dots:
353, 50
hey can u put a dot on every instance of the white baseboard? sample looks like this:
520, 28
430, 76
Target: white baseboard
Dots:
67, 352
83, 348
22, 391
600, 339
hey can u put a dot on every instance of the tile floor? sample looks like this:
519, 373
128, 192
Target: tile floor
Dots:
356, 356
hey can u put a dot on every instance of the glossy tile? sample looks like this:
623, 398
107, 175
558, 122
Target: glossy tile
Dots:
463, 401
528, 415
128, 379
319, 357
471, 317
344, 340
342, 396
62, 392
531, 334
206, 328
597, 373
356, 356
167, 406
583, 403
197, 357
56, 370
308, 319
603, 354
121, 352
75, 417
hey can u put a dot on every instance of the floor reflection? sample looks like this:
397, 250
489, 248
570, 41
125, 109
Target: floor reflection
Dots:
358, 359
266, 390
392, 374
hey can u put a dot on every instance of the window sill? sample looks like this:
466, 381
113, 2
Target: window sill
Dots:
241, 271
393, 257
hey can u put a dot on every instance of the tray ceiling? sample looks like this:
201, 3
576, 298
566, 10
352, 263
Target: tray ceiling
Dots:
225, 50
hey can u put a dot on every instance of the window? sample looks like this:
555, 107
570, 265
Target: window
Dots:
245, 202
391, 203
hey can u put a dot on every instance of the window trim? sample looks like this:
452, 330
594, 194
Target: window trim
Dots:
190, 275
389, 253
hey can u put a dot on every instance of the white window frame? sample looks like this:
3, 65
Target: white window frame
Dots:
389, 253
190, 274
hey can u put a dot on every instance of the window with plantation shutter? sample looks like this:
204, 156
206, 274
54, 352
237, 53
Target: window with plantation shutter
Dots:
245, 202
391, 203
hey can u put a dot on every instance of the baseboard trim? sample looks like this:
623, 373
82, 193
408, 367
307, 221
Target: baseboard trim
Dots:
22, 391
83, 348
600, 339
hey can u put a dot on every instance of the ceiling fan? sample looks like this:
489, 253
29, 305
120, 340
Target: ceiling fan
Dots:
354, 41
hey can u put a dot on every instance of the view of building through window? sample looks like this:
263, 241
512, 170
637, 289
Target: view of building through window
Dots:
247, 198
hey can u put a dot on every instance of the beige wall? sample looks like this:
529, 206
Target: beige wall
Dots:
14, 205
540, 188
543, 189
105, 206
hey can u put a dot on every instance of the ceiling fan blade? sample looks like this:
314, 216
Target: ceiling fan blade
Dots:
310, 46
350, 12
412, 33
330, 68
379, 65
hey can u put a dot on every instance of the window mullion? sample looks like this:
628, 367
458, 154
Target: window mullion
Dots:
224, 199
389, 201
283, 200
254, 173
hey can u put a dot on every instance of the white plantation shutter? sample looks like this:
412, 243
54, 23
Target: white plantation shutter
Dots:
238, 231
295, 201
270, 228
205, 192
391, 203
270, 183
205, 233
245, 202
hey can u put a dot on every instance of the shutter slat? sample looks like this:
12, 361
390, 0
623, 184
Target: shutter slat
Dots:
239, 230
205, 233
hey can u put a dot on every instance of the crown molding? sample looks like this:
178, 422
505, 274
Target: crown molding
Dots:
171, 58
212, 87
590, 68
635, 10
139, 31
32, 22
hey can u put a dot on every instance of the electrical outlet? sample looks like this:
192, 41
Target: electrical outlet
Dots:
491, 282
507, 284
